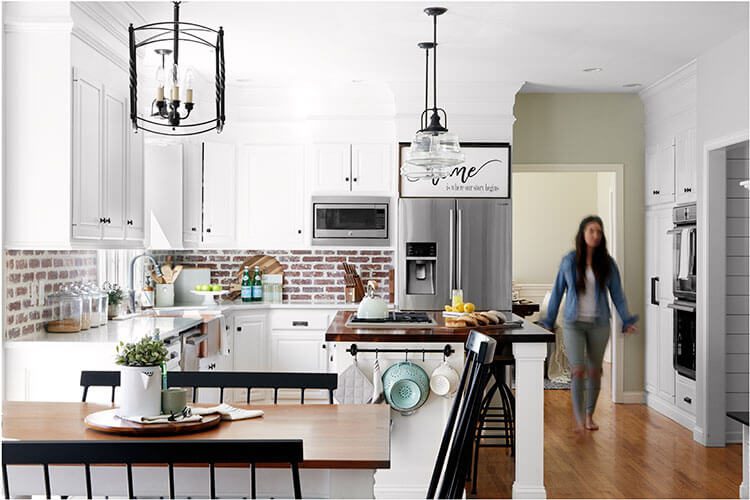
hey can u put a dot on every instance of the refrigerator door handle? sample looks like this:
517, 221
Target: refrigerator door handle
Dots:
459, 247
451, 257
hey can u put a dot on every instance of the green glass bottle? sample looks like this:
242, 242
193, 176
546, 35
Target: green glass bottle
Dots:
257, 285
247, 288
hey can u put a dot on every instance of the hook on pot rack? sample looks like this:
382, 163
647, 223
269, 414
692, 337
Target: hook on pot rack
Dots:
445, 351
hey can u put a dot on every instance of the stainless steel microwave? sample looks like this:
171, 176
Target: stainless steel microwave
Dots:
351, 220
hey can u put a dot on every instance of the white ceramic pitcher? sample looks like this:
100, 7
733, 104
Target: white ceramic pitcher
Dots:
140, 390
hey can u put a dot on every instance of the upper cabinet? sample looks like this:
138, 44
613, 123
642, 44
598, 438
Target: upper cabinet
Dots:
209, 195
270, 195
345, 168
107, 165
671, 148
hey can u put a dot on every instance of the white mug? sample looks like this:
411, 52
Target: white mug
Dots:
444, 380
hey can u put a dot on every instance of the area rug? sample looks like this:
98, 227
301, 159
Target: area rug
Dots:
556, 384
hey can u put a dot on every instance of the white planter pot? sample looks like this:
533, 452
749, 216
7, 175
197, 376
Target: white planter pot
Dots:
140, 389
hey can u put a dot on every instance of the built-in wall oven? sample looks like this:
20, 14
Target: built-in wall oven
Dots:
684, 270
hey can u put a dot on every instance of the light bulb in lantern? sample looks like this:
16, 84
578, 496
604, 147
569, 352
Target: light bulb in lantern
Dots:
160, 79
175, 94
187, 82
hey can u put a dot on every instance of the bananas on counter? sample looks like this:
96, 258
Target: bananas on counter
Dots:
471, 319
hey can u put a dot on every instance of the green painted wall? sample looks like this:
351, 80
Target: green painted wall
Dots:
595, 128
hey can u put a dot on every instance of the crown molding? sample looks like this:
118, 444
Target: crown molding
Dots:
95, 43
103, 16
53, 25
677, 77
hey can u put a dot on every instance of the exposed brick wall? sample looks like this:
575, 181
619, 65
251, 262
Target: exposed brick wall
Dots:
309, 275
23, 268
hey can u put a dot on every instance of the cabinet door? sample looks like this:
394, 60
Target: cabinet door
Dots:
249, 343
134, 219
652, 302
164, 195
270, 196
372, 167
192, 194
331, 168
666, 367
209, 395
665, 169
651, 175
218, 194
115, 151
87, 158
299, 351
685, 167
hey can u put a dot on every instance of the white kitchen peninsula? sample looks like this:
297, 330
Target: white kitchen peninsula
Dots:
415, 438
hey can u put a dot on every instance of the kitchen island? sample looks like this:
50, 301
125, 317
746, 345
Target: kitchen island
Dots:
415, 438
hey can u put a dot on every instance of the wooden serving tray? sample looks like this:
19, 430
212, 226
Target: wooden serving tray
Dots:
107, 421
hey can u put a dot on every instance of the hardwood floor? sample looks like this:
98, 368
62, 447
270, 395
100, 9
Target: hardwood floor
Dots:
637, 453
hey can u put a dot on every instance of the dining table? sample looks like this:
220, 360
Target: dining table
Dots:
343, 446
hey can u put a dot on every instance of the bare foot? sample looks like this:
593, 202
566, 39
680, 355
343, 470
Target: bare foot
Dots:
590, 424
579, 429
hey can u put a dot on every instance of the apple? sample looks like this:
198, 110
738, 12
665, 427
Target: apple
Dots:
205, 288
216, 288
197, 288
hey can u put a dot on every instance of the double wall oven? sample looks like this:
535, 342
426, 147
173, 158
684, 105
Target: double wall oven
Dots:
684, 236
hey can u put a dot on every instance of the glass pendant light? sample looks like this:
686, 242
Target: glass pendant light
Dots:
434, 150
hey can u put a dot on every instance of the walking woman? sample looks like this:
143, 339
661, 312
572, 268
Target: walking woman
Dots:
587, 274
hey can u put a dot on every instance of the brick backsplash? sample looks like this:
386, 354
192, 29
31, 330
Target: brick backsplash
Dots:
25, 267
309, 275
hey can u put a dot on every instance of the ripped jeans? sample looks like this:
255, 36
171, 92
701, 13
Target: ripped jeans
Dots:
584, 345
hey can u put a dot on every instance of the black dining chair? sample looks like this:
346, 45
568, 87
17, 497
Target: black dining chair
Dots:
225, 380
170, 452
454, 456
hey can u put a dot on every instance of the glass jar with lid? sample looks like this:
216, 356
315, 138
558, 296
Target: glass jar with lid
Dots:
99, 303
67, 311
87, 305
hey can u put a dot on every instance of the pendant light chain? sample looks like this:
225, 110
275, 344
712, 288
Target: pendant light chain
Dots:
434, 64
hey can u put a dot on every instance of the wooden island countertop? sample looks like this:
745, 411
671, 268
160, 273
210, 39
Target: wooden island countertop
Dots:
339, 332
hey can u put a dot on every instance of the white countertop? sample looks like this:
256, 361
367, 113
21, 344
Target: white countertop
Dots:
250, 306
113, 332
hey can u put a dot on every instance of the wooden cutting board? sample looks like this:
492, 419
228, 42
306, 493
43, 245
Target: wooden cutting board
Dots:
107, 421
267, 264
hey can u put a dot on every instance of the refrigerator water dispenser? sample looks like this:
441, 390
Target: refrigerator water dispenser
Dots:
420, 268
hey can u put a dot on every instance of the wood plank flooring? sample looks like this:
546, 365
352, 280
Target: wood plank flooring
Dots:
637, 453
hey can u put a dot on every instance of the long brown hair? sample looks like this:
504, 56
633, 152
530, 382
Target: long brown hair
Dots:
600, 260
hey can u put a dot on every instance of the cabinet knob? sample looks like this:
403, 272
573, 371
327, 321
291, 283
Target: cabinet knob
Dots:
322, 346
656, 191
208, 229
239, 328
688, 190
354, 179
346, 179
101, 220
193, 229
299, 231
687, 400
108, 221
130, 222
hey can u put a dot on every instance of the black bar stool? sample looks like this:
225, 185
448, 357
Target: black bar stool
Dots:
496, 422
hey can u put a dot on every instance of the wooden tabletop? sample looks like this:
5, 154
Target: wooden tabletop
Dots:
333, 436
339, 332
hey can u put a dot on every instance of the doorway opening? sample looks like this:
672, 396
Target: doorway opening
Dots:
549, 201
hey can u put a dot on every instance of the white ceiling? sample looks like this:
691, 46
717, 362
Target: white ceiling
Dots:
546, 44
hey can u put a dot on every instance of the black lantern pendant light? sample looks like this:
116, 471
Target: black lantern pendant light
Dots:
434, 150
168, 111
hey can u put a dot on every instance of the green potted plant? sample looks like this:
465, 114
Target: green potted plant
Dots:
116, 295
140, 375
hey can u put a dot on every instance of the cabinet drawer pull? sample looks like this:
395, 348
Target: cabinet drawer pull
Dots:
101, 220
208, 230
687, 400
300, 323
193, 229
688, 190
655, 191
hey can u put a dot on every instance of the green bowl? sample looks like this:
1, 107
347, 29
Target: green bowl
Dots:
406, 386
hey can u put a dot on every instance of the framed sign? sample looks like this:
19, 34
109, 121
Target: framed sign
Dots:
484, 174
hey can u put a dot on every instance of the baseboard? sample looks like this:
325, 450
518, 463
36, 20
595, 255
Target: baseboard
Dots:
528, 491
734, 437
632, 397
670, 411
400, 491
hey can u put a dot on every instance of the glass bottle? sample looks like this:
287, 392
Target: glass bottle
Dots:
246, 290
257, 285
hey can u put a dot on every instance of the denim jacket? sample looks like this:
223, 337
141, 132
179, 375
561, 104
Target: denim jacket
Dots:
566, 280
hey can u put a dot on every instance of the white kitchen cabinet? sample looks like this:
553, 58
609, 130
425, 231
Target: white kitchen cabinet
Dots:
107, 165
192, 194
270, 196
250, 332
660, 174
685, 166
88, 115
218, 194
346, 168
163, 192
209, 195
135, 223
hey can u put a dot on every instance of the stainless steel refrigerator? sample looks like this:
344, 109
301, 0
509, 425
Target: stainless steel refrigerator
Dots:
446, 244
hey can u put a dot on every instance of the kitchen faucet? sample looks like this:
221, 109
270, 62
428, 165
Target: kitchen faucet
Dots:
131, 272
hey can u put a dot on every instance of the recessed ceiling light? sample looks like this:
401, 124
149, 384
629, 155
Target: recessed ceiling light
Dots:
592, 70
632, 85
